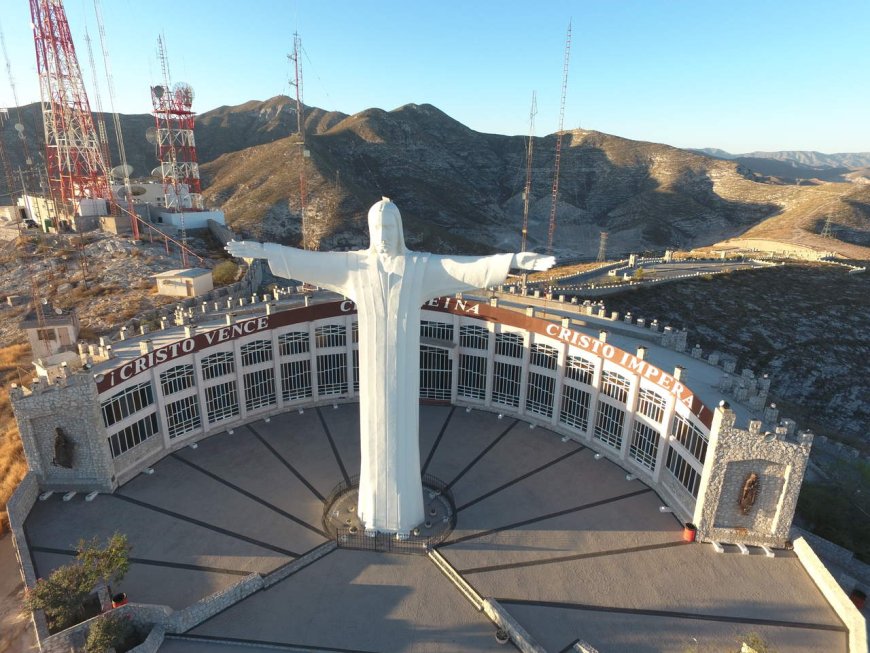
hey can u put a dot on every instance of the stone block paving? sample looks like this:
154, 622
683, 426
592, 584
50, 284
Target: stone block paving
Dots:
568, 546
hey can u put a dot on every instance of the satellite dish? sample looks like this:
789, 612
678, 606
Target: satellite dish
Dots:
158, 91
122, 171
151, 135
58, 311
19, 127
183, 93
163, 170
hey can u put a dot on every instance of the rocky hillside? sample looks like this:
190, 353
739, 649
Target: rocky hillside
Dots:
804, 325
461, 190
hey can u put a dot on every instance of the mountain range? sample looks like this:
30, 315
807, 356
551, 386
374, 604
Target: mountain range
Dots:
801, 166
800, 158
462, 190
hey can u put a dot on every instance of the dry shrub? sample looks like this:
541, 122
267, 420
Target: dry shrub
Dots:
14, 362
224, 273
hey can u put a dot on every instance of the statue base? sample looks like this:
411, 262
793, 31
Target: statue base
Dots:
341, 521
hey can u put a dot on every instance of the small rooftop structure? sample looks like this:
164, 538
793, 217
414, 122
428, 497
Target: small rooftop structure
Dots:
188, 282
57, 331
55, 365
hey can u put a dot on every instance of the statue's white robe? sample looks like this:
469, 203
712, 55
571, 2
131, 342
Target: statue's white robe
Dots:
389, 290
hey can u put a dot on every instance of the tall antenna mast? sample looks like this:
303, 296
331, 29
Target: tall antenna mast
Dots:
116, 120
527, 191
559, 134
99, 116
300, 128
7, 167
19, 125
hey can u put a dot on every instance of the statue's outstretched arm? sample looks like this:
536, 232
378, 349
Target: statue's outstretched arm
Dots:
246, 249
325, 269
532, 261
450, 274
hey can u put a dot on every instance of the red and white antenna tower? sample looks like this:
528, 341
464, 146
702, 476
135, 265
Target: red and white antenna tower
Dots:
176, 146
552, 230
527, 191
76, 167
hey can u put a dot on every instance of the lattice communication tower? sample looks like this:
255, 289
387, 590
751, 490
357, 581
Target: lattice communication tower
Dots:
527, 190
307, 241
76, 166
176, 145
555, 201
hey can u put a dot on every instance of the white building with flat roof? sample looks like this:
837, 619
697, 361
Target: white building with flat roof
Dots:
189, 282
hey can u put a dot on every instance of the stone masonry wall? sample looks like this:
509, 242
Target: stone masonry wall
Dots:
72, 404
762, 518
732, 455
845, 609
195, 614
18, 508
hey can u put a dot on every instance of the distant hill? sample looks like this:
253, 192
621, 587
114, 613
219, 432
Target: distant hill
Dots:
461, 190
817, 159
797, 164
799, 158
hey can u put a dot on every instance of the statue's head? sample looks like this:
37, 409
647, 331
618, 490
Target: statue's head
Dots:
385, 228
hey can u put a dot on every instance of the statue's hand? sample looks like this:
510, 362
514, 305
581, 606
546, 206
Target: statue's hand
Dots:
532, 261
245, 249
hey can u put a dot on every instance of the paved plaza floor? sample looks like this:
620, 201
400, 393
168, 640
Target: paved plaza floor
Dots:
568, 546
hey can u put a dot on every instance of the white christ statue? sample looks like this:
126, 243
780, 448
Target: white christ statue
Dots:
389, 284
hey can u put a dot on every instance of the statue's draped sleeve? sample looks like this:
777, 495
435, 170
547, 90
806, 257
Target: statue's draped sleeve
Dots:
325, 269
450, 274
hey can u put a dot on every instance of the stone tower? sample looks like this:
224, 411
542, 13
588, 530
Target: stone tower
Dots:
63, 435
751, 481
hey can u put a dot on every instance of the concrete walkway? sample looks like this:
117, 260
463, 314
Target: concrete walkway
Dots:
567, 545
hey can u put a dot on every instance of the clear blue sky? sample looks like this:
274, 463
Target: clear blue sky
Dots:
739, 75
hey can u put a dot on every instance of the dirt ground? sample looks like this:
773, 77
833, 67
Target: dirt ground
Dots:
16, 630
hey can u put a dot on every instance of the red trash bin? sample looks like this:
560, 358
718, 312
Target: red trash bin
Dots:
689, 532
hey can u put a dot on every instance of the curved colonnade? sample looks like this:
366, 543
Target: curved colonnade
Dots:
473, 354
